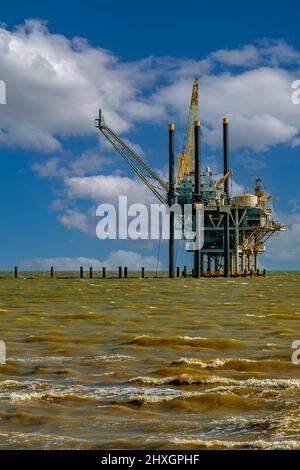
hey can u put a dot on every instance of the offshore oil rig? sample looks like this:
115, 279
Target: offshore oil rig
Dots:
236, 228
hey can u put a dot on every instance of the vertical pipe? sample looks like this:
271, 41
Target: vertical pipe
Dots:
216, 265
226, 245
226, 154
226, 192
51, 271
103, 273
256, 262
171, 200
236, 242
249, 262
232, 263
16, 271
91, 272
143, 272
81, 272
209, 264
243, 262
120, 272
197, 195
202, 264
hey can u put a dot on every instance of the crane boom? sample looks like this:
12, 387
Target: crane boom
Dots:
185, 162
134, 161
193, 116
224, 178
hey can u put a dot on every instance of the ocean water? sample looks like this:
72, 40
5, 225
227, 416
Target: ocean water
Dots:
149, 363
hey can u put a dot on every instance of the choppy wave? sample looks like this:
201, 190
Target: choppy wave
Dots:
88, 367
194, 379
45, 391
96, 358
230, 444
195, 341
239, 364
197, 401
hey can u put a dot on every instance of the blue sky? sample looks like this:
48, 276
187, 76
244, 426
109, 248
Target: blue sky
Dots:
138, 63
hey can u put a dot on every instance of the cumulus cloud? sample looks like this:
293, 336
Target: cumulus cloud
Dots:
258, 103
74, 219
108, 188
98, 189
55, 86
131, 259
269, 52
89, 162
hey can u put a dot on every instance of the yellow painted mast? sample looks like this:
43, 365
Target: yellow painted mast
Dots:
185, 159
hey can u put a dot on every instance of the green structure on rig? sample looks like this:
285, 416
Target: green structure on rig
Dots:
235, 228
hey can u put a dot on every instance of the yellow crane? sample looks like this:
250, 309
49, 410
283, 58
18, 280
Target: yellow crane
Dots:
185, 162
224, 178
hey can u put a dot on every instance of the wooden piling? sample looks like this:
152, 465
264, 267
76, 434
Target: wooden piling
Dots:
143, 272
120, 272
81, 272
51, 272
125, 272
177, 271
16, 271
103, 273
91, 272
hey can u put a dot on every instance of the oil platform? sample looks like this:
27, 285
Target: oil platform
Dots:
236, 228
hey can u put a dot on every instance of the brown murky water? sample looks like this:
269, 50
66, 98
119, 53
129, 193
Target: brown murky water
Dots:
150, 363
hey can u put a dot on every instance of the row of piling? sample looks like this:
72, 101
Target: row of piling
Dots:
123, 273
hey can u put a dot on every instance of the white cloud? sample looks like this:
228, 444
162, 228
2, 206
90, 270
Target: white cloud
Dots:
88, 163
267, 52
131, 259
56, 85
48, 169
258, 103
103, 188
247, 55
75, 219
98, 189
